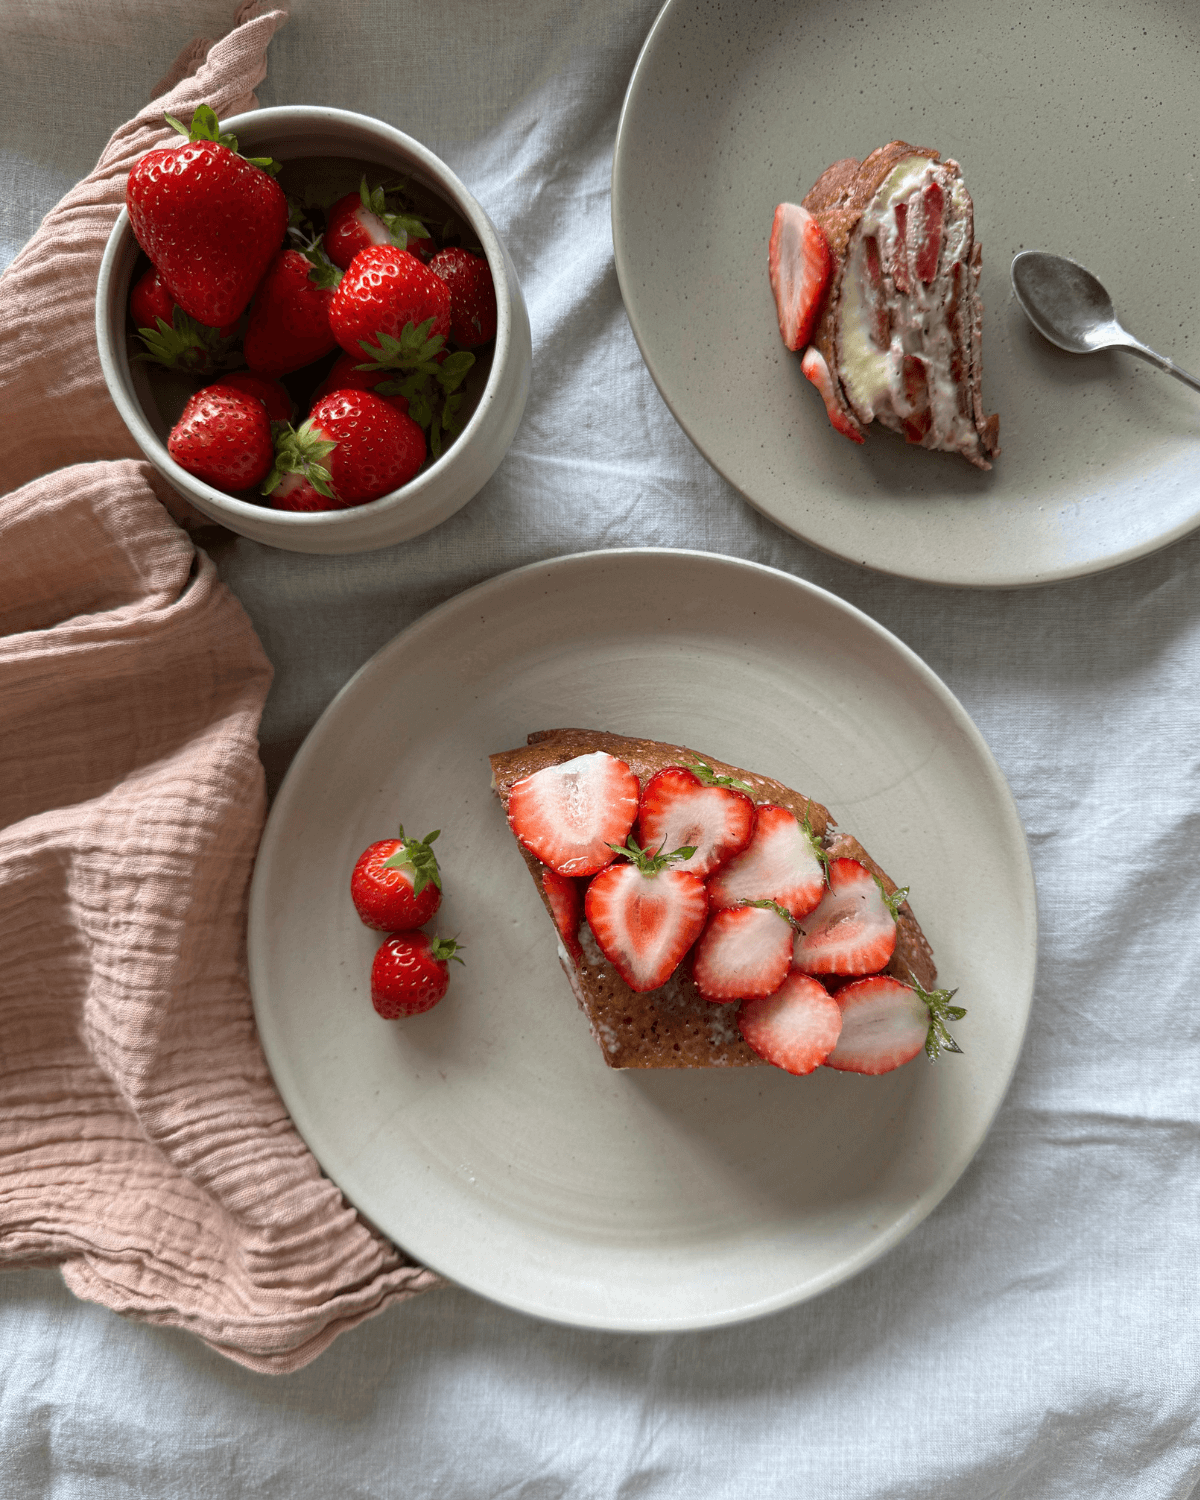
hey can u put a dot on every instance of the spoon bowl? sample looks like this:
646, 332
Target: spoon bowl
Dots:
1071, 308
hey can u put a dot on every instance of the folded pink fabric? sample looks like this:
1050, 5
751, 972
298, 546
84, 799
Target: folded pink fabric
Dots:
143, 1146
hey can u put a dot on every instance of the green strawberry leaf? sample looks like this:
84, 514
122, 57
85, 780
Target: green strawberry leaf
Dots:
300, 451
206, 127
937, 1002
417, 856
446, 948
699, 770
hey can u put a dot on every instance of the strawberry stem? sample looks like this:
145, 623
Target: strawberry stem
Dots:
206, 127
420, 859
648, 861
937, 1002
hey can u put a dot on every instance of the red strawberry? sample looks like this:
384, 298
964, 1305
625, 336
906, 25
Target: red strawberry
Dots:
224, 438
886, 1023
209, 219
645, 916
571, 814
353, 448
929, 246
800, 266
411, 973
708, 813
172, 339
472, 296
396, 884
384, 290
853, 930
149, 300
796, 1028
779, 864
289, 316
272, 395
360, 220
815, 369
566, 906
744, 953
346, 377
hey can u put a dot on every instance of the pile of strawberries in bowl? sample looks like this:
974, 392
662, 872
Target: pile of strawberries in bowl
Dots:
296, 188
372, 313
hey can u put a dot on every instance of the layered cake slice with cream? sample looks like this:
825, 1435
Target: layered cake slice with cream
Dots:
708, 916
876, 280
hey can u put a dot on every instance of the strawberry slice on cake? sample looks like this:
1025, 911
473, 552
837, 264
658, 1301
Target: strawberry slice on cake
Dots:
722, 949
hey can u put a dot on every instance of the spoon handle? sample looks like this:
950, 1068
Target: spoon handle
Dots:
1163, 363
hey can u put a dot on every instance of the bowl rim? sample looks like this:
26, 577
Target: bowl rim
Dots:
113, 353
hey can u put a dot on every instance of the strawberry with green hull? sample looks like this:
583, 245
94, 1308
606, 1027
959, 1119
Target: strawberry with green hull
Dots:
209, 219
689, 805
174, 340
223, 437
396, 884
645, 914
289, 316
472, 296
383, 291
410, 973
886, 1023
352, 449
360, 220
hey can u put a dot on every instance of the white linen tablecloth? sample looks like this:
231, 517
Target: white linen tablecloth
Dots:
1036, 1336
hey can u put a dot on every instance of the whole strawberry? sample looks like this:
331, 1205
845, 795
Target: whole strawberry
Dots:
171, 338
224, 438
384, 290
289, 316
411, 973
396, 884
361, 219
353, 448
472, 296
209, 219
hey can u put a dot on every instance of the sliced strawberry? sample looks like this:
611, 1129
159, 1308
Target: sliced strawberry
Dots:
900, 250
744, 953
645, 916
852, 931
779, 864
800, 266
796, 1028
569, 815
884, 1025
929, 247
566, 906
680, 808
815, 369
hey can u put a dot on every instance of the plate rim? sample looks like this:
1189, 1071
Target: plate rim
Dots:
516, 579
622, 152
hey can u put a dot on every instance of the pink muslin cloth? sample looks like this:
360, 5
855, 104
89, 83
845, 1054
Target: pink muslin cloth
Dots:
143, 1146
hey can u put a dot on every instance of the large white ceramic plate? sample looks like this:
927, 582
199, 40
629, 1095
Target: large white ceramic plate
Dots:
1078, 132
488, 1137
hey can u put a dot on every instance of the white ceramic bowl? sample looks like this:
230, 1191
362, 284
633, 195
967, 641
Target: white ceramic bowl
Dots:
146, 396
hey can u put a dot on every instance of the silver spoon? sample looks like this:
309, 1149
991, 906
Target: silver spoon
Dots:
1068, 306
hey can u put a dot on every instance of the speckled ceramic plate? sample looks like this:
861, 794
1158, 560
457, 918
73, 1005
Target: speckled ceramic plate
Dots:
1077, 130
488, 1137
